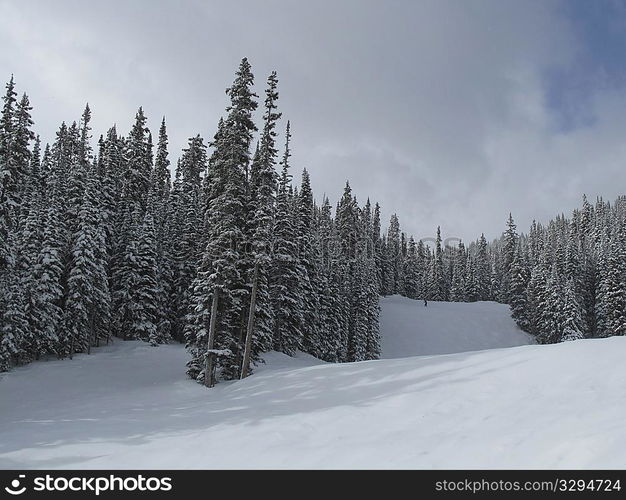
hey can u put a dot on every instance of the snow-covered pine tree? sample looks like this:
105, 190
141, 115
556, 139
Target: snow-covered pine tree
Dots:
173, 236
404, 249
15, 135
518, 283
436, 278
329, 346
482, 269
46, 313
457, 282
110, 173
394, 257
347, 234
373, 339
7, 136
160, 188
365, 344
535, 244
308, 271
22, 155
14, 327
15, 162
359, 310
262, 195
137, 165
611, 295
573, 324
509, 244
225, 226
29, 246
355, 266
423, 268
76, 168
603, 286
576, 270
82, 300
161, 182
411, 272
495, 279
551, 318
471, 291
535, 293
185, 248
144, 292
286, 277
379, 254
123, 273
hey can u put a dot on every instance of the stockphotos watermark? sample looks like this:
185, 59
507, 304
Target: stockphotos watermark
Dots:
94, 485
332, 248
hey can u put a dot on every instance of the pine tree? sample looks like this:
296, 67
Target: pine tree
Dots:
437, 285
261, 218
330, 345
225, 223
549, 310
364, 341
379, 254
161, 175
482, 269
535, 293
517, 289
144, 293
187, 220
411, 272
611, 294
76, 168
138, 165
394, 256
9, 175
285, 275
23, 135
14, 328
124, 274
80, 304
309, 273
47, 312
509, 241
159, 207
573, 328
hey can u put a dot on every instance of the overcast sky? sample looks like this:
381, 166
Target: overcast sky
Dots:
449, 113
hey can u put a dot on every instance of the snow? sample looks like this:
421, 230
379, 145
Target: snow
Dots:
409, 329
131, 406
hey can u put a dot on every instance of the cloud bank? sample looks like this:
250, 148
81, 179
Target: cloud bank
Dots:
450, 113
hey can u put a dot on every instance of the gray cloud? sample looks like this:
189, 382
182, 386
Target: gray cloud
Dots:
436, 109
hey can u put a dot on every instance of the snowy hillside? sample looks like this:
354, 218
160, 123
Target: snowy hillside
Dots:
130, 406
408, 328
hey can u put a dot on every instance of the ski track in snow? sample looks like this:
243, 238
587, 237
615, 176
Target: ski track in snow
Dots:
131, 406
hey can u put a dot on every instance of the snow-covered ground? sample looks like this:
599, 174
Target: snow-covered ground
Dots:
409, 329
130, 406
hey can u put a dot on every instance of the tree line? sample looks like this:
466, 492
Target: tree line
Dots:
104, 242
565, 280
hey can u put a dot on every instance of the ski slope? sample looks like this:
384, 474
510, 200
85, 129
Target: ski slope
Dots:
130, 406
409, 329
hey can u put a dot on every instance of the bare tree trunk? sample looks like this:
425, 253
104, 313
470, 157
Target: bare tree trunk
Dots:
248, 346
91, 330
241, 340
210, 356
72, 347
